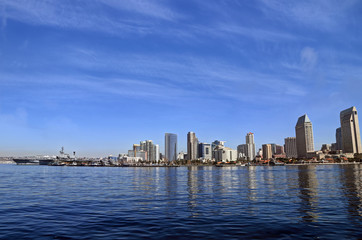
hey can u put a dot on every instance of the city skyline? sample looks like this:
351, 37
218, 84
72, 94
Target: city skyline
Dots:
98, 76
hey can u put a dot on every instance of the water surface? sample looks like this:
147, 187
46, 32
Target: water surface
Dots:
283, 202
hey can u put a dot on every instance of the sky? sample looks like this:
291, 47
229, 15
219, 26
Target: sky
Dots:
97, 76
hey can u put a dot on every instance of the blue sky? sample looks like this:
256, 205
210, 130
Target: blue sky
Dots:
97, 76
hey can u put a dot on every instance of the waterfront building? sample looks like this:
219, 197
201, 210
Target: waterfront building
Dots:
334, 147
351, 138
157, 152
290, 144
250, 146
215, 144
267, 151
279, 150
181, 156
170, 147
205, 152
260, 153
136, 148
304, 136
242, 150
326, 148
139, 154
339, 139
273, 147
131, 153
192, 146
225, 154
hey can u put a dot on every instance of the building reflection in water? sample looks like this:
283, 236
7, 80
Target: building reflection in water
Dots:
252, 184
171, 190
193, 188
351, 178
308, 185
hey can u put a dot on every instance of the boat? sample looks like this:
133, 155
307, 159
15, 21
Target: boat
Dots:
26, 161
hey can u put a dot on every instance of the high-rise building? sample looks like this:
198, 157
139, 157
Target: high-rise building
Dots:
148, 147
267, 151
192, 146
170, 147
242, 149
205, 152
351, 138
214, 145
339, 139
157, 152
290, 144
304, 136
274, 148
250, 146
278, 149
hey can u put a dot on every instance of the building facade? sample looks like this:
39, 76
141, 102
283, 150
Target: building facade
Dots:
339, 145
290, 148
192, 146
205, 152
242, 149
351, 138
170, 147
225, 154
250, 146
267, 151
304, 136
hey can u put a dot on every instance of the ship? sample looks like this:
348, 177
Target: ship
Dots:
26, 161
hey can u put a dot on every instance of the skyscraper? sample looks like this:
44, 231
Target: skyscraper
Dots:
170, 147
192, 146
304, 136
250, 146
157, 152
267, 151
339, 139
291, 147
351, 138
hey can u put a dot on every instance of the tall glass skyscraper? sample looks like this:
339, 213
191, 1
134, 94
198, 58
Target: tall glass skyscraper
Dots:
170, 147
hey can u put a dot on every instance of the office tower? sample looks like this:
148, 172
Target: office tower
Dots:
192, 146
274, 148
291, 147
214, 145
250, 146
170, 147
339, 139
278, 149
267, 151
205, 152
351, 138
242, 149
148, 147
157, 152
304, 136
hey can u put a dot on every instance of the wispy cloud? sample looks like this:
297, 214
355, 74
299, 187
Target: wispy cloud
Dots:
308, 58
148, 8
323, 14
88, 15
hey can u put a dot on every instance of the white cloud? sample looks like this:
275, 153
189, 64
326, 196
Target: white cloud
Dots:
308, 58
322, 14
